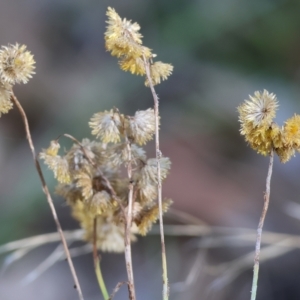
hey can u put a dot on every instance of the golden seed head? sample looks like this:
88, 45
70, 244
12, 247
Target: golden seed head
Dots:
142, 126
260, 110
16, 64
292, 132
107, 125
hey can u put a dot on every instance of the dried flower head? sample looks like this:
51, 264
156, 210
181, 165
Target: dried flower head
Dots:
5, 102
52, 150
147, 178
159, 71
110, 234
142, 126
59, 165
107, 125
262, 134
119, 154
84, 182
292, 132
260, 110
149, 170
16, 64
123, 40
99, 203
149, 215
285, 153
122, 37
134, 65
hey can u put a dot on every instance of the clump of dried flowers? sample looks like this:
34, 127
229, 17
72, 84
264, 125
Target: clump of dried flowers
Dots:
91, 177
123, 40
110, 206
262, 133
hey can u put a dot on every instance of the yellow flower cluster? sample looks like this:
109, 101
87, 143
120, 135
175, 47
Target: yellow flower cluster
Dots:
256, 117
16, 66
123, 40
91, 176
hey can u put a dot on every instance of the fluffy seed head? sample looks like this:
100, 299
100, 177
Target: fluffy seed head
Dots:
16, 64
292, 132
142, 126
260, 110
107, 125
159, 71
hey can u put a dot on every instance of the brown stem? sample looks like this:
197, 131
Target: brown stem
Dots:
116, 289
47, 193
95, 252
159, 188
128, 221
260, 227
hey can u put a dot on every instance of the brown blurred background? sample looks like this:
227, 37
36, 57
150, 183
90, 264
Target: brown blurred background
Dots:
222, 51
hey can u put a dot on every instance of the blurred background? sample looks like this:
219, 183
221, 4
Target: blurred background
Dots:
222, 51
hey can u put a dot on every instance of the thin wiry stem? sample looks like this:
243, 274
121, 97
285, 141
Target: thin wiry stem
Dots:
97, 264
116, 289
128, 218
159, 188
260, 227
47, 193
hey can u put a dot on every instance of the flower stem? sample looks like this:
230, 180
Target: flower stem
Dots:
128, 218
159, 187
47, 193
260, 227
97, 264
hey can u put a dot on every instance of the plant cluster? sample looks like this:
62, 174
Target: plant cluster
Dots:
256, 117
111, 207
123, 40
91, 176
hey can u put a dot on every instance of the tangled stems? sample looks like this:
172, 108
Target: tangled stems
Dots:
260, 227
47, 193
159, 188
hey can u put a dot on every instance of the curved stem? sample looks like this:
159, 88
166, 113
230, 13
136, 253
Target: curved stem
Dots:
47, 193
260, 227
